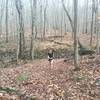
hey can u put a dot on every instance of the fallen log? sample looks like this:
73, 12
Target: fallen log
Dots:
85, 51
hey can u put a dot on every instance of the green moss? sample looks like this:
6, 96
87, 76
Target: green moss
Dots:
22, 78
33, 98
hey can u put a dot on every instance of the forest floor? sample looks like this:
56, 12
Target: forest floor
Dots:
39, 80
57, 82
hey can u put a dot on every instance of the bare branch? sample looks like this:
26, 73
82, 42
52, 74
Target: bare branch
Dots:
69, 17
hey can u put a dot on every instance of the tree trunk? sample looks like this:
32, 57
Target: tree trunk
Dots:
33, 27
1, 17
91, 39
76, 53
45, 18
21, 30
97, 28
86, 30
6, 21
41, 19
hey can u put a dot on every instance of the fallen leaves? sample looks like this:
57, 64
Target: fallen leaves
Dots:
59, 82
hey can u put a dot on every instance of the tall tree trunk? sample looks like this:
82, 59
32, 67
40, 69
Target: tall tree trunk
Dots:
1, 17
17, 38
91, 38
21, 46
61, 24
76, 57
6, 21
97, 27
41, 19
65, 25
33, 27
45, 19
86, 30
83, 18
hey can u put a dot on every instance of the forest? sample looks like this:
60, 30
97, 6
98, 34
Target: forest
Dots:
49, 50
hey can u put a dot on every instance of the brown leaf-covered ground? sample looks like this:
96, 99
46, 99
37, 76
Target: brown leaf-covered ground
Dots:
57, 82
39, 80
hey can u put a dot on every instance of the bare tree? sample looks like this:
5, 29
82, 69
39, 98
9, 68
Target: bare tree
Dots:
6, 21
33, 4
21, 49
41, 17
86, 29
97, 26
65, 25
74, 30
76, 59
69, 17
1, 16
45, 18
92, 22
61, 24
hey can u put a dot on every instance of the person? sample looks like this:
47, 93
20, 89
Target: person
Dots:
50, 55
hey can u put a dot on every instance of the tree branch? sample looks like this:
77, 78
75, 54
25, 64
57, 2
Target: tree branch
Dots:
71, 22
